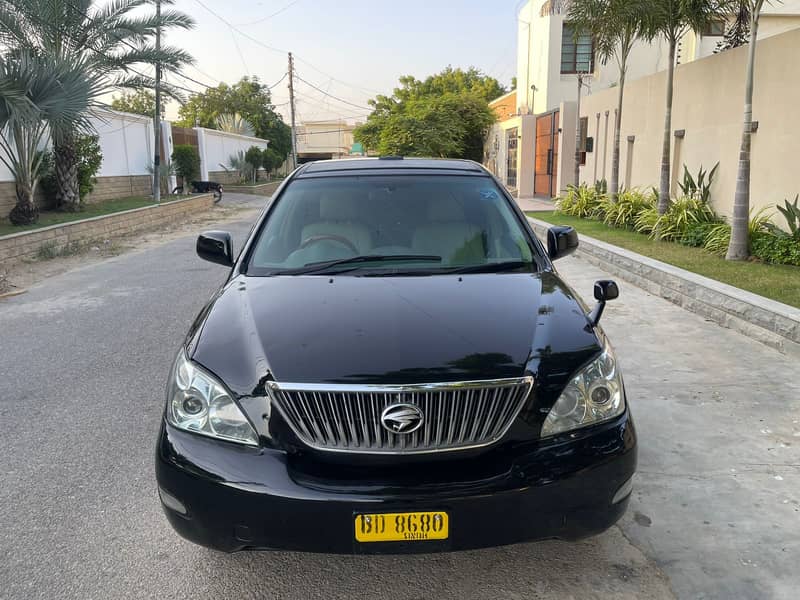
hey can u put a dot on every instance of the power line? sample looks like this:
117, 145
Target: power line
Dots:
317, 103
269, 87
328, 131
268, 17
239, 51
331, 95
280, 50
248, 36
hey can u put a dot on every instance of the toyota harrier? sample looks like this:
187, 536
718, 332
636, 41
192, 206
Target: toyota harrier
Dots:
394, 365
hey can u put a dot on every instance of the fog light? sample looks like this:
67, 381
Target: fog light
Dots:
623, 492
172, 502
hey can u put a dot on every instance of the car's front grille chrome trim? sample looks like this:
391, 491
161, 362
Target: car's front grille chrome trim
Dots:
347, 418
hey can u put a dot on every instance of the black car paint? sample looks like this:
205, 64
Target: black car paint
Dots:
344, 329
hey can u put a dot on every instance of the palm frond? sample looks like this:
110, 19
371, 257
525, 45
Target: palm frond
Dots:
137, 82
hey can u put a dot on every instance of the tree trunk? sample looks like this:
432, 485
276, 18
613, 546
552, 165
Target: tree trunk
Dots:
25, 212
739, 247
577, 173
663, 189
614, 185
66, 171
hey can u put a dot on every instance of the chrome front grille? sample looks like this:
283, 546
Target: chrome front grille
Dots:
350, 418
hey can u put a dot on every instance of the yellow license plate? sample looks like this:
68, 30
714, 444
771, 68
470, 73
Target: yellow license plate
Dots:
402, 527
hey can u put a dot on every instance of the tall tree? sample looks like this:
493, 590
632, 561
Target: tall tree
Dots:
670, 20
739, 247
615, 25
36, 92
107, 39
737, 32
445, 115
249, 99
140, 102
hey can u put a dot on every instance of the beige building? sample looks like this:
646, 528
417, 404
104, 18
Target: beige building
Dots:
320, 140
707, 124
538, 142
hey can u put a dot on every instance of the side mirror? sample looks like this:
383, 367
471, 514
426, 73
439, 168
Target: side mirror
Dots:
561, 241
604, 291
216, 247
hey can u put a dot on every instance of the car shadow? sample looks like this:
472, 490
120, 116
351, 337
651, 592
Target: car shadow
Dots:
600, 567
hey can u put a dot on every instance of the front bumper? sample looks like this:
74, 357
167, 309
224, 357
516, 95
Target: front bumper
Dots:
238, 498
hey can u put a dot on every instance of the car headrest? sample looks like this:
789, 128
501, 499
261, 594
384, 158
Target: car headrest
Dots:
338, 206
446, 209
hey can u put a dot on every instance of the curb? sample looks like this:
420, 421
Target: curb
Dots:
18, 246
11, 294
772, 323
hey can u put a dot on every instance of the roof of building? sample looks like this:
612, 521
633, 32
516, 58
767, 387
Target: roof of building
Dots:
390, 163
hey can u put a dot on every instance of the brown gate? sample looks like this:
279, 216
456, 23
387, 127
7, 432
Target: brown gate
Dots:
546, 165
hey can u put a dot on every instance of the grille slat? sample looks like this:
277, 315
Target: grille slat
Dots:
348, 418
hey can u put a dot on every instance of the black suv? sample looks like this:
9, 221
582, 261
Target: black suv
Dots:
394, 365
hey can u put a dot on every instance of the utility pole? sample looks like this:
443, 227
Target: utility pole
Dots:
578, 137
157, 132
291, 108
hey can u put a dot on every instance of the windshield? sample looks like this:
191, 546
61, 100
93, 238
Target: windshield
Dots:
403, 224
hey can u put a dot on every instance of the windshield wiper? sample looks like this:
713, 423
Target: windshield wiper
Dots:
321, 267
497, 267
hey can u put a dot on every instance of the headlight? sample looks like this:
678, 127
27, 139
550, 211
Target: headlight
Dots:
197, 402
593, 395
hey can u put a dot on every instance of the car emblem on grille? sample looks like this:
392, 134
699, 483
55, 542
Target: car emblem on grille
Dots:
402, 418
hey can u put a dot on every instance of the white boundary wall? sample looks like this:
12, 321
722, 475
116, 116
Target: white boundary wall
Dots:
216, 148
126, 141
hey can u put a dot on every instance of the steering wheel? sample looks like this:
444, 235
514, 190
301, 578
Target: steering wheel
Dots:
314, 239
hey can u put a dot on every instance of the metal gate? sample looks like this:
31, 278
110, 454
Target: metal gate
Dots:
546, 164
511, 157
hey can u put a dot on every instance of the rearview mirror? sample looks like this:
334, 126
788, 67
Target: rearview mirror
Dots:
216, 247
604, 290
561, 241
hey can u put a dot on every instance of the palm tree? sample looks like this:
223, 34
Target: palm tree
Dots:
36, 93
739, 247
235, 123
108, 40
614, 26
671, 20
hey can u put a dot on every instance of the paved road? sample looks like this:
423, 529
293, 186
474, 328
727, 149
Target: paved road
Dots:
82, 367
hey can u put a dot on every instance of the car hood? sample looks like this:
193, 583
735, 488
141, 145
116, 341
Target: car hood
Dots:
391, 330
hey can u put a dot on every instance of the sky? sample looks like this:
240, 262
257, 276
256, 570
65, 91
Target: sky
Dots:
351, 49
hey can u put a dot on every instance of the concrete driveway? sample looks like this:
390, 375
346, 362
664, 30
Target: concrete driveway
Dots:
83, 361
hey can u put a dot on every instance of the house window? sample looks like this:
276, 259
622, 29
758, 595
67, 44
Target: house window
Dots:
714, 28
577, 53
584, 137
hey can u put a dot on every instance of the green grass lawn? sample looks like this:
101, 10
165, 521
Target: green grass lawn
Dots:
778, 282
251, 184
52, 217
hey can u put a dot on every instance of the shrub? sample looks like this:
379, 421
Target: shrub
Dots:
697, 235
581, 201
270, 159
601, 186
187, 163
646, 220
673, 225
255, 159
698, 187
624, 212
776, 249
90, 157
790, 212
719, 237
